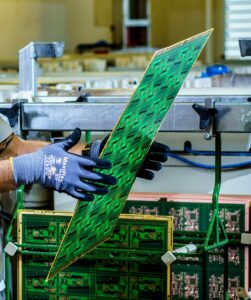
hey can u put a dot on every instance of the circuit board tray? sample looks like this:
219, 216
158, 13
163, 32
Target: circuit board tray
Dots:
127, 266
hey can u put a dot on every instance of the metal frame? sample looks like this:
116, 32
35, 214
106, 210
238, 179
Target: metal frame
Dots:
28, 62
100, 113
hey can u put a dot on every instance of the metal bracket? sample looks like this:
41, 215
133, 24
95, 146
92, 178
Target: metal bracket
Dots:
28, 63
11, 113
207, 114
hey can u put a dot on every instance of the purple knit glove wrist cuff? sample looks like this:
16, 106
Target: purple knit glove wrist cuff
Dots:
27, 168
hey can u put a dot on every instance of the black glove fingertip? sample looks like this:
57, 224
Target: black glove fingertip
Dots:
112, 180
75, 135
159, 147
72, 139
152, 165
101, 191
87, 197
164, 148
150, 176
145, 174
165, 157
158, 167
103, 164
157, 156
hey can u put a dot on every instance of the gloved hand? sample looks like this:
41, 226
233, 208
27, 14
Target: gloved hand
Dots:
157, 154
54, 167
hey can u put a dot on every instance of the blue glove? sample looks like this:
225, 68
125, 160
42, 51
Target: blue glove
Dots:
54, 167
157, 154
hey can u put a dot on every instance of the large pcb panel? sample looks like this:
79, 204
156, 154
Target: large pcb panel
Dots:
191, 218
127, 266
127, 147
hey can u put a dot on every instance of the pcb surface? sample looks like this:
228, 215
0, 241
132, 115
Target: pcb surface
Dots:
127, 147
192, 277
127, 266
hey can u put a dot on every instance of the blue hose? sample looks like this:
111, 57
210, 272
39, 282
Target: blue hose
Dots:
208, 153
209, 167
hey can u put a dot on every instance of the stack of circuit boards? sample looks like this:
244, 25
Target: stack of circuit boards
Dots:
202, 276
127, 266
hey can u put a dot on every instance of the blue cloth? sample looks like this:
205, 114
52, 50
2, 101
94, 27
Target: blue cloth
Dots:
54, 167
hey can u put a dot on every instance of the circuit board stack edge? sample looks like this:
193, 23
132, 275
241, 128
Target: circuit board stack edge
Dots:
191, 214
128, 266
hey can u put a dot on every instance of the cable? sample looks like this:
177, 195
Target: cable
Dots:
208, 167
209, 153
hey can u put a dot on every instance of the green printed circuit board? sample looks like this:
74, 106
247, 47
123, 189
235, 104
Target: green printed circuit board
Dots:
127, 147
191, 216
188, 274
127, 266
202, 277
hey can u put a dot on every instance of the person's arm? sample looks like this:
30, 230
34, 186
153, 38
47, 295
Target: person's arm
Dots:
14, 147
18, 147
6, 177
54, 167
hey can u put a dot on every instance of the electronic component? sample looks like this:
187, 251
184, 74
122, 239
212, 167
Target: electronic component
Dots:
127, 147
191, 214
145, 210
216, 286
190, 217
186, 282
128, 266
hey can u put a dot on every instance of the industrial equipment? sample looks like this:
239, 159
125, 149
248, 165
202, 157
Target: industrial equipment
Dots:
202, 275
127, 266
214, 273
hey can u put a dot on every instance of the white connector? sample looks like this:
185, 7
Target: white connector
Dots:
168, 258
10, 249
246, 238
